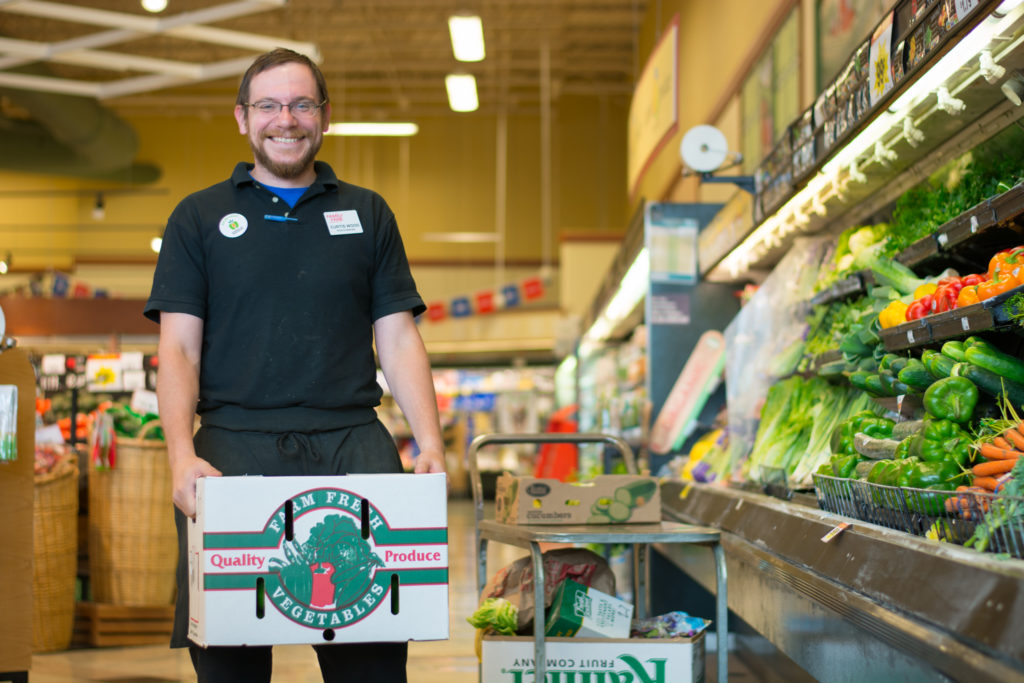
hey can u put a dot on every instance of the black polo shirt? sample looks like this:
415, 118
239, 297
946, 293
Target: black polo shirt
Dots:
288, 297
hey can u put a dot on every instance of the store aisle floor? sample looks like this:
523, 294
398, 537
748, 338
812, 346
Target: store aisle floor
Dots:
451, 661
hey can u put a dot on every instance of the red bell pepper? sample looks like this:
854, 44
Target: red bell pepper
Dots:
972, 279
921, 307
946, 294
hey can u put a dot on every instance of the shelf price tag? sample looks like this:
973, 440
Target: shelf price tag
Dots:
910, 336
835, 531
974, 224
943, 239
965, 323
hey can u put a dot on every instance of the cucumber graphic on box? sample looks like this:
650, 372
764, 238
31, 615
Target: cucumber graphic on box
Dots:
620, 507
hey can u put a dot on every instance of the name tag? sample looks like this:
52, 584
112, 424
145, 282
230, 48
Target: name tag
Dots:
343, 222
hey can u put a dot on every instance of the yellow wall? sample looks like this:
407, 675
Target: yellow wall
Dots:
441, 180
716, 42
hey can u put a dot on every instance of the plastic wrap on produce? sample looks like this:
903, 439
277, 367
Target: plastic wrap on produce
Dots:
765, 340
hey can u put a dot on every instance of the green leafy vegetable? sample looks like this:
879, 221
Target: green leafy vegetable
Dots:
496, 614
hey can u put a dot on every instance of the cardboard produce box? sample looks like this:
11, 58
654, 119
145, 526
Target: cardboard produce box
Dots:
284, 560
578, 611
508, 659
606, 499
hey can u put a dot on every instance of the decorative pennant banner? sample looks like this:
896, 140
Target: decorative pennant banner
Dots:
436, 311
481, 303
460, 307
511, 295
485, 302
533, 288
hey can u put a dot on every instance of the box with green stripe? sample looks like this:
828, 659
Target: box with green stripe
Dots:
288, 560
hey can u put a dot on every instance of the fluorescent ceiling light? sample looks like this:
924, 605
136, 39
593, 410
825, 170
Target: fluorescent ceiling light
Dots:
370, 128
461, 92
467, 37
154, 6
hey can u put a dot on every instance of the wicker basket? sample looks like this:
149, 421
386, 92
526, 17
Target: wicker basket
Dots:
133, 548
55, 545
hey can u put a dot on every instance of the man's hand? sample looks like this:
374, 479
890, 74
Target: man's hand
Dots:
184, 474
430, 461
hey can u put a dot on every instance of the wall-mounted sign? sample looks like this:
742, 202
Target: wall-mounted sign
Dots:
654, 111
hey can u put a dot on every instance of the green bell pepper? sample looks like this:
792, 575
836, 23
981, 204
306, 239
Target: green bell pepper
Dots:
951, 398
903, 449
941, 440
934, 475
844, 466
865, 421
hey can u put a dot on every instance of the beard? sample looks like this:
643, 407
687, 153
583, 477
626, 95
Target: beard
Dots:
285, 170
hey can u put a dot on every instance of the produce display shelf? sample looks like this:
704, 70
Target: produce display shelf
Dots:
948, 243
872, 602
990, 314
952, 237
847, 288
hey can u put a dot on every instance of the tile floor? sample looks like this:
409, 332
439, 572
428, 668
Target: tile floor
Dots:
451, 661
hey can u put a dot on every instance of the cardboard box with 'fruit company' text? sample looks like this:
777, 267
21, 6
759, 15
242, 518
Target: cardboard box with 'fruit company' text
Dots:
284, 560
509, 659
605, 499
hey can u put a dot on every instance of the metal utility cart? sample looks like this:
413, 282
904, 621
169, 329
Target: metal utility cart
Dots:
639, 535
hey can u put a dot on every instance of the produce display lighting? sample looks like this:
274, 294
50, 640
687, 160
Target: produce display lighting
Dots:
630, 293
844, 165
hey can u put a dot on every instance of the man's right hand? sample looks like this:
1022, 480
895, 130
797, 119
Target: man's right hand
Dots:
185, 473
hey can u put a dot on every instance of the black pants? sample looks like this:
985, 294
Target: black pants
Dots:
363, 449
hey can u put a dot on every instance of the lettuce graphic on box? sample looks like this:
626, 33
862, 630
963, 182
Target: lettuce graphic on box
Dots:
334, 567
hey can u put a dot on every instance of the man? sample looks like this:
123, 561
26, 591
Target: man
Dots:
271, 290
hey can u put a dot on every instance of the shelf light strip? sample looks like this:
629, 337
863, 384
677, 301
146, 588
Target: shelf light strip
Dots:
628, 296
782, 222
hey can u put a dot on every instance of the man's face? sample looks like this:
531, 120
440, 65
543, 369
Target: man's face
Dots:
284, 144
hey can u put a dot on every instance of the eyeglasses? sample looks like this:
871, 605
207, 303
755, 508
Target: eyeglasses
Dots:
298, 108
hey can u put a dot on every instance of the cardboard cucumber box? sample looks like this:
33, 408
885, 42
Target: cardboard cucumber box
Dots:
578, 611
287, 560
509, 659
605, 499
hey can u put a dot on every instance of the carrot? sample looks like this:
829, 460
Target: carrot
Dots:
1014, 437
987, 483
988, 469
990, 451
1002, 443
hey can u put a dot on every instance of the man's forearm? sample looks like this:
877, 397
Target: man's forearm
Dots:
177, 393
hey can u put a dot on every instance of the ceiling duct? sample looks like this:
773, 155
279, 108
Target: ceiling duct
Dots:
71, 136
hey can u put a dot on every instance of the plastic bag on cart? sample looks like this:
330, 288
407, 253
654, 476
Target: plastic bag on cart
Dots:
515, 582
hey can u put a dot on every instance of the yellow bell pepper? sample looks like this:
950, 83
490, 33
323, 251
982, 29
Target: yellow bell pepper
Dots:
892, 315
924, 290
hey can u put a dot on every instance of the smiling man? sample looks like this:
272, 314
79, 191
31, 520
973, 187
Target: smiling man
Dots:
271, 290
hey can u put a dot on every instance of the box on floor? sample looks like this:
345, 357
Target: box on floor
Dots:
653, 660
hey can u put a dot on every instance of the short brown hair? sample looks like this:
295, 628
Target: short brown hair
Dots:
277, 57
